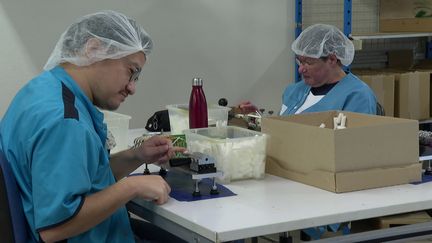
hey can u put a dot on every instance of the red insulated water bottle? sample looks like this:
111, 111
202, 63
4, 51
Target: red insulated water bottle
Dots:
198, 116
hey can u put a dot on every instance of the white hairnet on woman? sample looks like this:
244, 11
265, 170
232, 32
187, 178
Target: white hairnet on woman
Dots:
98, 36
321, 40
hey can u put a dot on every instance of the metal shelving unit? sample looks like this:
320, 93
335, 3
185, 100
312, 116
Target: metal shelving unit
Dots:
348, 29
388, 36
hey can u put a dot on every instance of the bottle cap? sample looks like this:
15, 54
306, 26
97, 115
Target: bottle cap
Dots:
197, 82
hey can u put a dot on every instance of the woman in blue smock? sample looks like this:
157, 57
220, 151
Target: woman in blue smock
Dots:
321, 52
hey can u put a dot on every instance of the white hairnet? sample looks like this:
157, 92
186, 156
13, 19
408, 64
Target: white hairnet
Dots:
116, 36
321, 40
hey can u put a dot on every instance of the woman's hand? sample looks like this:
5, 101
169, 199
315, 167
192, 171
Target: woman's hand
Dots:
247, 107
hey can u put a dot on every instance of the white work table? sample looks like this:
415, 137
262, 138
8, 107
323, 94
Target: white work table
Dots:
274, 205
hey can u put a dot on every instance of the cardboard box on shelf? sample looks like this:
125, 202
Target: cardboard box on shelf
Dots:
405, 16
412, 100
426, 66
411, 91
401, 59
373, 151
383, 85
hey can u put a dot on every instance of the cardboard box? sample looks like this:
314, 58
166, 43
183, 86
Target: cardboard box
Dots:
426, 66
401, 219
405, 16
383, 85
411, 91
412, 100
373, 151
401, 59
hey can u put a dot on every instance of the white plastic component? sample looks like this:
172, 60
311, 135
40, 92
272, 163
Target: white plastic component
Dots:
339, 121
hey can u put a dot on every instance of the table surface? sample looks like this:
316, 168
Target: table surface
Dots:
275, 204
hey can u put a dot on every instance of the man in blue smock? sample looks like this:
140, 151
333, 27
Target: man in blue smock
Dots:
55, 139
321, 52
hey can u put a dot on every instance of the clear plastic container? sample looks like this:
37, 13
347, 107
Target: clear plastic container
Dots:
118, 125
179, 117
239, 153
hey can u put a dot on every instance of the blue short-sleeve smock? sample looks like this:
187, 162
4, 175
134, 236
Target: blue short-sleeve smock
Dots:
54, 139
349, 94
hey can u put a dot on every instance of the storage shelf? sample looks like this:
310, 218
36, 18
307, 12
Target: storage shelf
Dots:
367, 28
373, 36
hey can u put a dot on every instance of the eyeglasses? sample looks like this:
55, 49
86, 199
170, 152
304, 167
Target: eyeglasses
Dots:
310, 61
135, 75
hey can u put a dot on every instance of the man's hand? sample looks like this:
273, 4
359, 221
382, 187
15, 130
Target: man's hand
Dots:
157, 149
150, 187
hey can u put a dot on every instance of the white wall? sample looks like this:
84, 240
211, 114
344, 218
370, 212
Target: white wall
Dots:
240, 47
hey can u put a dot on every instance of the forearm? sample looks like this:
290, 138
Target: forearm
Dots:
124, 162
96, 208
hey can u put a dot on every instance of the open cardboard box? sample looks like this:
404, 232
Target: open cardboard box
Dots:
373, 151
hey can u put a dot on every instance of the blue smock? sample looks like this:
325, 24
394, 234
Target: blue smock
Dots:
54, 138
349, 94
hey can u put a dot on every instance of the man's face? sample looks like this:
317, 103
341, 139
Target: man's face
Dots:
115, 79
315, 71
